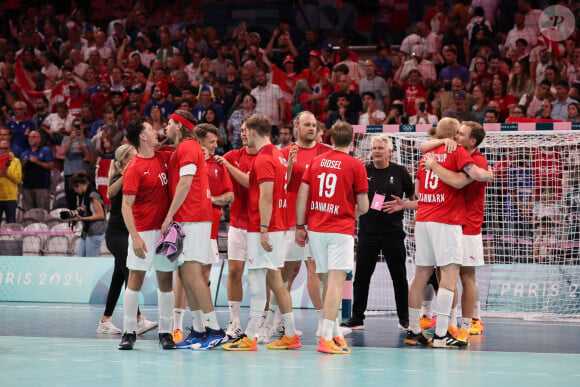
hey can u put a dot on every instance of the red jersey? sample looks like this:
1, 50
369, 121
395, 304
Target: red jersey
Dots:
335, 178
146, 178
474, 194
269, 165
197, 206
239, 209
439, 202
219, 183
303, 158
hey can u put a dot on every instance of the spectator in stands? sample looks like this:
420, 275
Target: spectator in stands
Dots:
37, 162
235, 122
413, 87
461, 112
520, 31
159, 93
157, 121
204, 103
546, 111
563, 100
286, 138
74, 42
269, 100
343, 111
573, 69
479, 105
422, 116
533, 102
80, 154
375, 84
520, 82
425, 67
372, 115
519, 111
573, 112
456, 36
104, 95
453, 69
91, 212
355, 101
491, 116
41, 106
506, 101
58, 124
397, 114
6, 134
211, 117
20, 125
10, 177
284, 47
382, 61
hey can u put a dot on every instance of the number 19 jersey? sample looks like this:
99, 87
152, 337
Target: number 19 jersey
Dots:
335, 178
439, 202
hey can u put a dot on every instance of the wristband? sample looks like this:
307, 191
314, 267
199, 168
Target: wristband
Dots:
263, 226
300, 227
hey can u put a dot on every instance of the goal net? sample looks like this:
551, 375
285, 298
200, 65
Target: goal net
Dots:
531, 229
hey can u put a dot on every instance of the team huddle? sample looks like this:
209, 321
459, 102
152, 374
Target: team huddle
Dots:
290, 205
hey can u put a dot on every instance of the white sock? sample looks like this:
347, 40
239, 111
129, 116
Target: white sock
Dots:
428, 295
477, 310
453, 317
198, 320
289, 327
337, 331
327, 329
178, 318
319, 315
234, 310
165, 301
444, 302
466, 323
130, 306
414, 316
211, 321
257, 283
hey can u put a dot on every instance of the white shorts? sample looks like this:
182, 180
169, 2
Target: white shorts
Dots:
158, 262
293, 252
438, 244
258, 258
472, 250
214, 253
237, 244
196, 244
332, 251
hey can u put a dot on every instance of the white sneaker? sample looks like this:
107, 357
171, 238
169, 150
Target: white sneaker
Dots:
144, 325
346, 331
265, 333
108, 328
234, 330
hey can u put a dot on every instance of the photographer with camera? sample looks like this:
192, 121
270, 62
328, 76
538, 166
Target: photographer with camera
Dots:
422, 116
91, 213
79, 155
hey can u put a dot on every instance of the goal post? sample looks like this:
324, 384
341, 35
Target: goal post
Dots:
531, 229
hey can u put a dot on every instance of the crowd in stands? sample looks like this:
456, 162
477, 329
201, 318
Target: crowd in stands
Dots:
69, 87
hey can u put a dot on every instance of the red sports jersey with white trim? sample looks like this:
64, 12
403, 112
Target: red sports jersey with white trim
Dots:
240, 159
303, 158
439, 202
474, 194
335, 178
197, 206
219, 183
269, 165
146, 178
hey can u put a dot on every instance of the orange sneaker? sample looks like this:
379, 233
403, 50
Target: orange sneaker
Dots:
453, 330
476, 327
331, 346
177, 335
285, 342
427, 323
244, 343
340, 341
463, 335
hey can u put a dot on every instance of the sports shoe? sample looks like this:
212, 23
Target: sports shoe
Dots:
234, 331
332, 347
341, 342
463, 335
476, 327
416, 339
403, 326
211, 339
108, 328
194, 338
266, 332
427, 323
453, 330
127, 341
354, 324
448, 341
244, 343
144, 325
286, 342
166, 341
177, 335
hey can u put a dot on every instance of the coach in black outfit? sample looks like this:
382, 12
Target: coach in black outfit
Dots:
382, 231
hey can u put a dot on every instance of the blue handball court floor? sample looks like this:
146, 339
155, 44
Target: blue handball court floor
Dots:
56, 345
